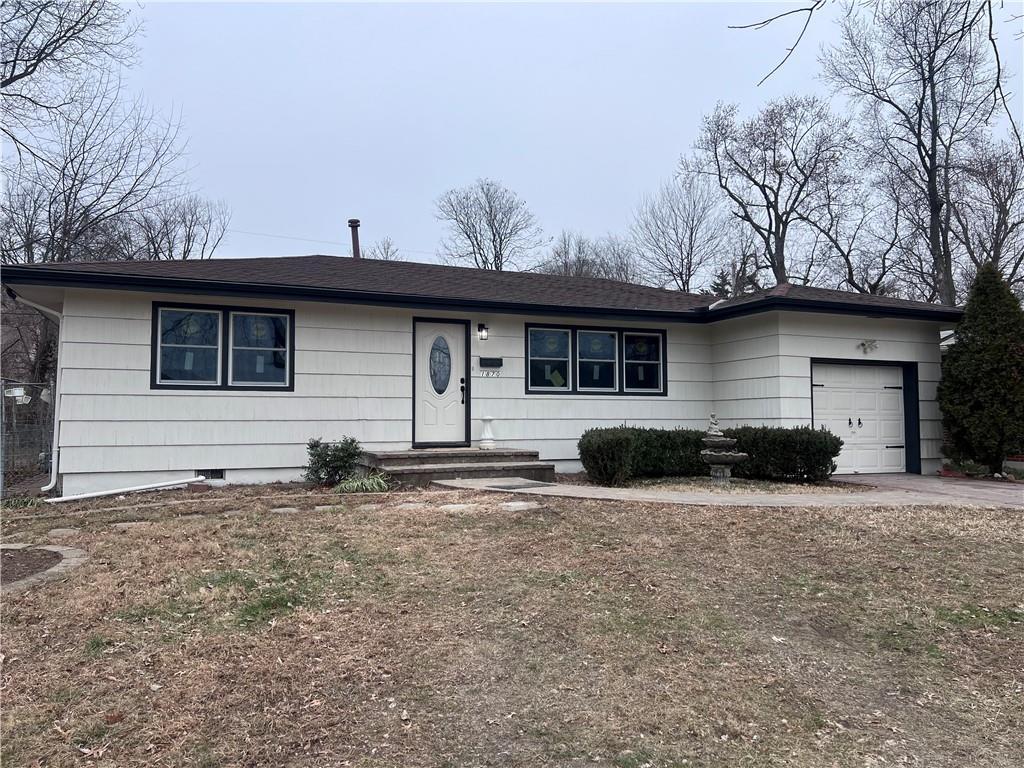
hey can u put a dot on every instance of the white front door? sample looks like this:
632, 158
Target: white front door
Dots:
441, 390
862, 404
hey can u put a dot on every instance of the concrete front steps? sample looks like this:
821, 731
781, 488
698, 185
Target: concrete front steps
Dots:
424, 466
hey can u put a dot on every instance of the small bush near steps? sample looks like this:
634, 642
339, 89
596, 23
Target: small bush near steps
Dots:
617, 455
330, 463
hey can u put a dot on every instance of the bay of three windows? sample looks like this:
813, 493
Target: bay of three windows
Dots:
594, 360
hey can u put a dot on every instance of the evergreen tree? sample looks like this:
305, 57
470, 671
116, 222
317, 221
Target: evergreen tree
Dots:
982, 390
721, 286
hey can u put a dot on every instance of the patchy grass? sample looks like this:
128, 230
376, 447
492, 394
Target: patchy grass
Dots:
736, 485
582, 633
742, 485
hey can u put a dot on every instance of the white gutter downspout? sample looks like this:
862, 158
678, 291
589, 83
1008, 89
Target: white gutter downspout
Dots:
59, 319
131, 489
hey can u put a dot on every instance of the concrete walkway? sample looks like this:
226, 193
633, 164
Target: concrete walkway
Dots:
888, 491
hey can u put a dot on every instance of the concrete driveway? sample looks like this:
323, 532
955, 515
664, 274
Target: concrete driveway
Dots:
946, 490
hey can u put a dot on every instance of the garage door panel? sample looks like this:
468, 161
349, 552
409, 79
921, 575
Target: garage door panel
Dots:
892, 431
865, 402
864, 377
891, 402
893, 460
869, 398
890, 376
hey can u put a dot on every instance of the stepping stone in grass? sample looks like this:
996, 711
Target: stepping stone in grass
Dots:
519, 506
411, 505
285, 510
368, 507
63, 533
458, 507
327, 507
233, 513
127, 526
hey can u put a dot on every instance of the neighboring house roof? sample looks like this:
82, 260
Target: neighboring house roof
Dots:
410, 284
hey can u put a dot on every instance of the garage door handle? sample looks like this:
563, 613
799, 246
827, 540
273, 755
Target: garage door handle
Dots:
894, 446
850, 421
859, 424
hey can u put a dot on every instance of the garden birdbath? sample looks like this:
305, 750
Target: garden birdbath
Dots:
718, 453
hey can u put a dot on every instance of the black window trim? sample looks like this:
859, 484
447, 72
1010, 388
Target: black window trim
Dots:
574, 389
223, 384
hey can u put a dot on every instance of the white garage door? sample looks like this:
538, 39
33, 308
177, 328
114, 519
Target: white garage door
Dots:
862, 404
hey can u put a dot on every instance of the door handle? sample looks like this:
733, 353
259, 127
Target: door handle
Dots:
859, 424
850, 422
462, 390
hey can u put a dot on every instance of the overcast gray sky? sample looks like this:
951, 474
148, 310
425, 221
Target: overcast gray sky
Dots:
300, 116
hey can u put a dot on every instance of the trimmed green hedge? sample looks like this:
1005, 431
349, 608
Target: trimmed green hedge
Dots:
793, 454
617, 455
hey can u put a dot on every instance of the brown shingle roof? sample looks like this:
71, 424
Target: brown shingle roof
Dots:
807, 293
412, 284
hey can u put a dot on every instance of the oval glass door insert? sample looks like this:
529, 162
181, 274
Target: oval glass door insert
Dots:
440, 365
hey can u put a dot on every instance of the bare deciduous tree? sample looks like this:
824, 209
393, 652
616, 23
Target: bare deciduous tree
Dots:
610, 257
858, 224
382, 250
188, 227
572, 255
679, 231
769, 167
106, 161
971, 18
47, 51
924, 76
489, 226
988, 218
619, 259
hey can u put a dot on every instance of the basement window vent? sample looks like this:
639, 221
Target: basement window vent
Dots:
210, 474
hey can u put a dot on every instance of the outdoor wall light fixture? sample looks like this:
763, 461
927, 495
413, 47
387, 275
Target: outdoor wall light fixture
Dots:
481, 332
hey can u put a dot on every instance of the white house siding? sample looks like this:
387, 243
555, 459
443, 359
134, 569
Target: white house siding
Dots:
353, 376
762, 366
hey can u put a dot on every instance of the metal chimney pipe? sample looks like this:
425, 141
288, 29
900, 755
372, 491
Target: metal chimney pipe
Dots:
353, 224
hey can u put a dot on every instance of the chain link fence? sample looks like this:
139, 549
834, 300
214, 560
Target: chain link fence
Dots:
27, 437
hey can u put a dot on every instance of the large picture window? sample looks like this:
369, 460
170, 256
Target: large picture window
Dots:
593, 361
207, 347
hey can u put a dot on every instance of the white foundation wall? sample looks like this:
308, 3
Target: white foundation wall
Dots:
762, 366
353, 376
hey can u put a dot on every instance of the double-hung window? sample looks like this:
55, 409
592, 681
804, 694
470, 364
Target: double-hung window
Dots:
642, 361
596, 357
550, 355
259, 349
189, 342
203, 347
594, 361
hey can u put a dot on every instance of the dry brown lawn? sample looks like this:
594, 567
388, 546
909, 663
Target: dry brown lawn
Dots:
581, 633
